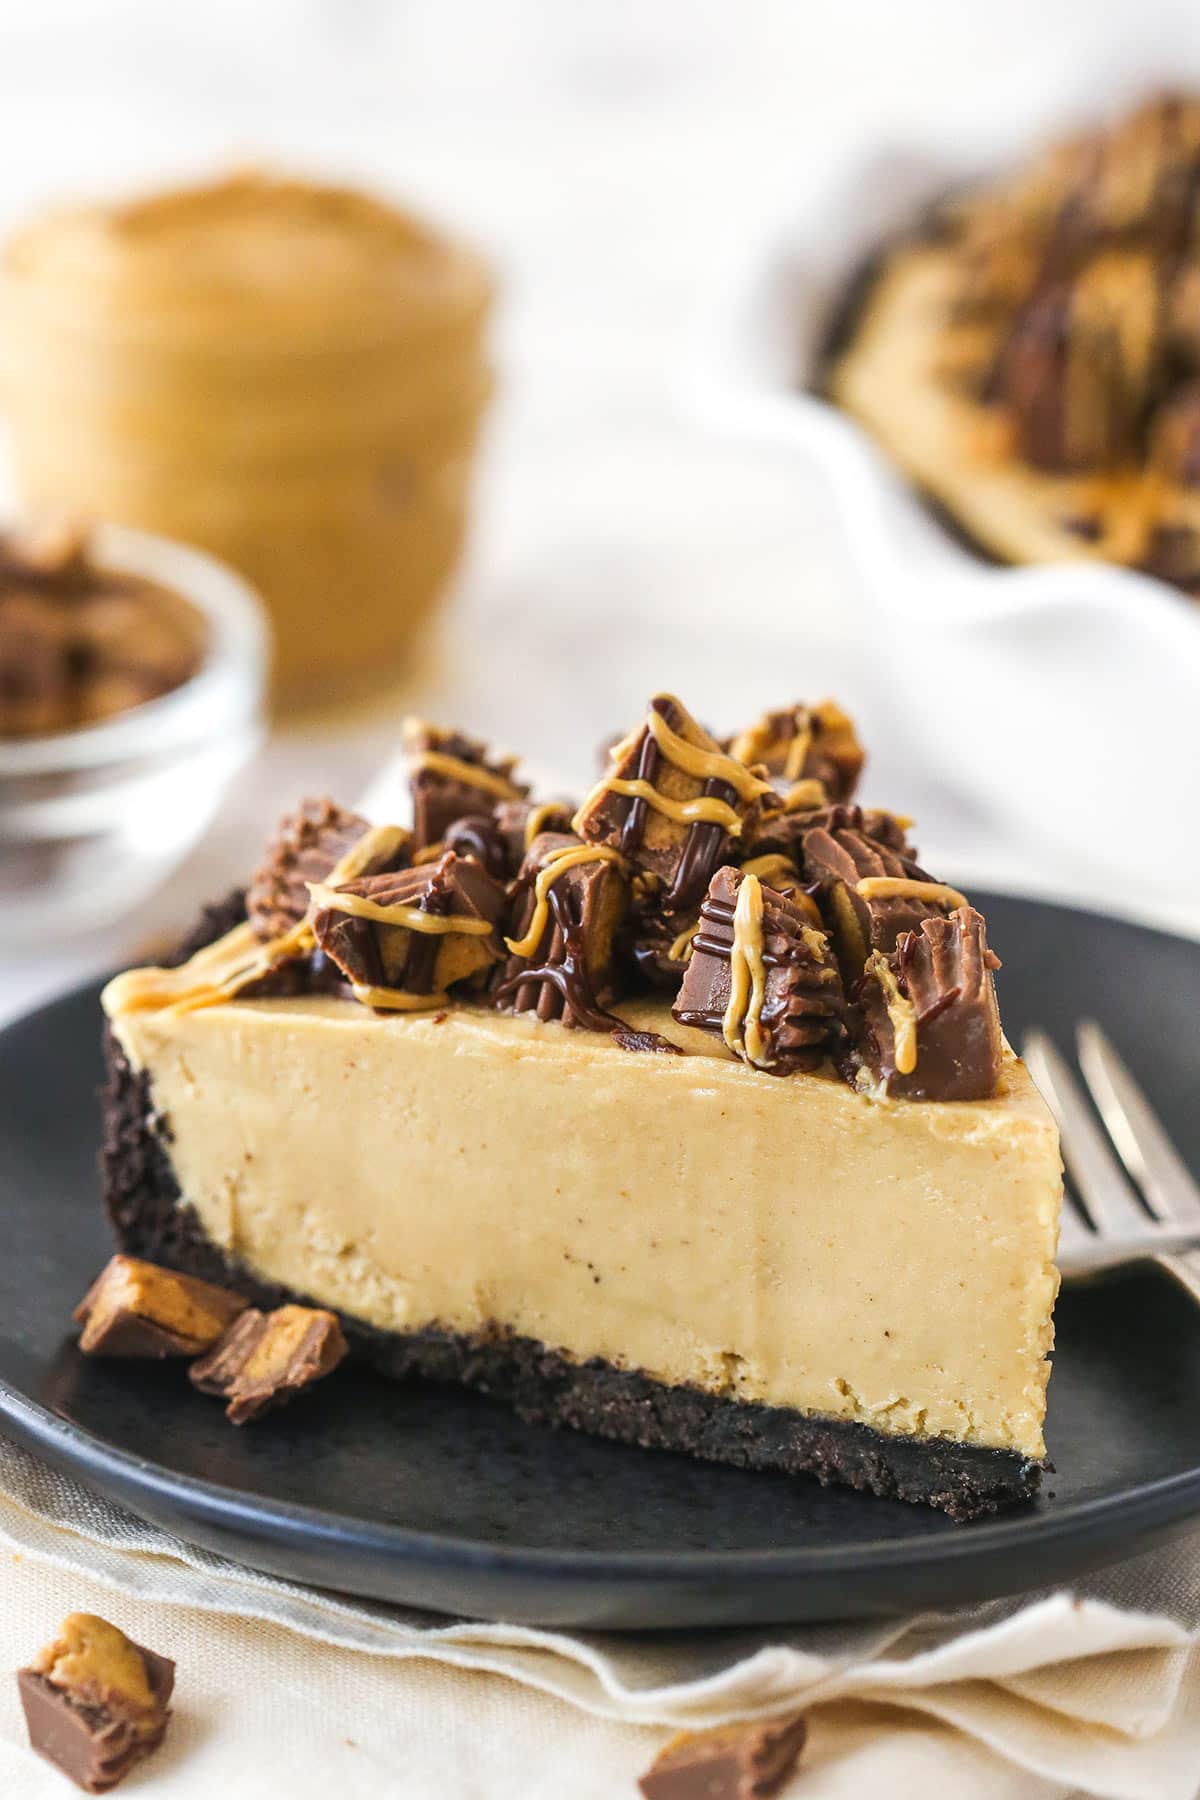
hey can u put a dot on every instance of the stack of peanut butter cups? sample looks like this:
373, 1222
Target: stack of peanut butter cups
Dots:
290, 376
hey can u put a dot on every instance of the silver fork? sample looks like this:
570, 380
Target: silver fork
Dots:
1140, 1202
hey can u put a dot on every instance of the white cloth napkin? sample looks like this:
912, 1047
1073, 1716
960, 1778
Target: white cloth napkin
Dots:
284, 1690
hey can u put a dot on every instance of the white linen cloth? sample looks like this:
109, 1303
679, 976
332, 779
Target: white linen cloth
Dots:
286, 1691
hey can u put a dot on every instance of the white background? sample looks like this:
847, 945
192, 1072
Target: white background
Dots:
618, 159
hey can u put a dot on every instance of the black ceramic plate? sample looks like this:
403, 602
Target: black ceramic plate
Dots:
444, 1500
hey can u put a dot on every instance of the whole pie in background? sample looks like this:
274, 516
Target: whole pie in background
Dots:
1029, 352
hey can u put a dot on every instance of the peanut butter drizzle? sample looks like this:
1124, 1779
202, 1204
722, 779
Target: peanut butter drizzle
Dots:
705, 807
900, 1010
556, 864
536, 821
1101, 301
219, 971
900, 887
758, 740
470, 774
412, 918
213, 974
690, 759
429, 853
805, 796
378, 844
681, 947
742, 1027
385, 999
772, 865
775, 864
797, 753
704, 765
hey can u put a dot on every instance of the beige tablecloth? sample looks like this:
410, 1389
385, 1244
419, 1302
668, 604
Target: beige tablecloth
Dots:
282, 1690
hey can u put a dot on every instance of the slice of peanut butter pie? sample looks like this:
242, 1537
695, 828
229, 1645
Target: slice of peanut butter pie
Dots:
683, 1116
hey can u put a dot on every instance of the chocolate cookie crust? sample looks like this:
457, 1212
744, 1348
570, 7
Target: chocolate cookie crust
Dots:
144, 1205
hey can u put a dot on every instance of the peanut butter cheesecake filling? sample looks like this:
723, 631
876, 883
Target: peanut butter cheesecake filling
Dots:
687, 1092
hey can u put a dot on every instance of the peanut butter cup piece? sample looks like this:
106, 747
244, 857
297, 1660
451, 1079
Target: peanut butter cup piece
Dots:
930, 1025
266, 1359
453, 776
1138, 179
1078, 365
409, 935
762, 976
479, 836
1175, 437
658, 947
783, 832
569, 902
805, 744
748, 1761
869, 892
136, 1309
672, 802
1172, 553
307, 846
520, 821
95, 1702
499, 838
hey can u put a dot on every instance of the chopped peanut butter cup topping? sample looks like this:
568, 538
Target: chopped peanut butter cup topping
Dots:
738, 878
79, 642
870, 892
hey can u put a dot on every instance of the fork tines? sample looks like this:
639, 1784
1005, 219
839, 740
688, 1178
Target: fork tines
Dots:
1140, 1201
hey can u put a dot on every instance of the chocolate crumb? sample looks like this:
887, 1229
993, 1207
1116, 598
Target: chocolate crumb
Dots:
646, 1041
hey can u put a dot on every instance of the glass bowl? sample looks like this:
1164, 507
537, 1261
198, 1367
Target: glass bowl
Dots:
93, 819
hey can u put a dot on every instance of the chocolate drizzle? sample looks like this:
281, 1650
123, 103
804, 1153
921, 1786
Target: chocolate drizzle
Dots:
480, 836
559, 987
567, 973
